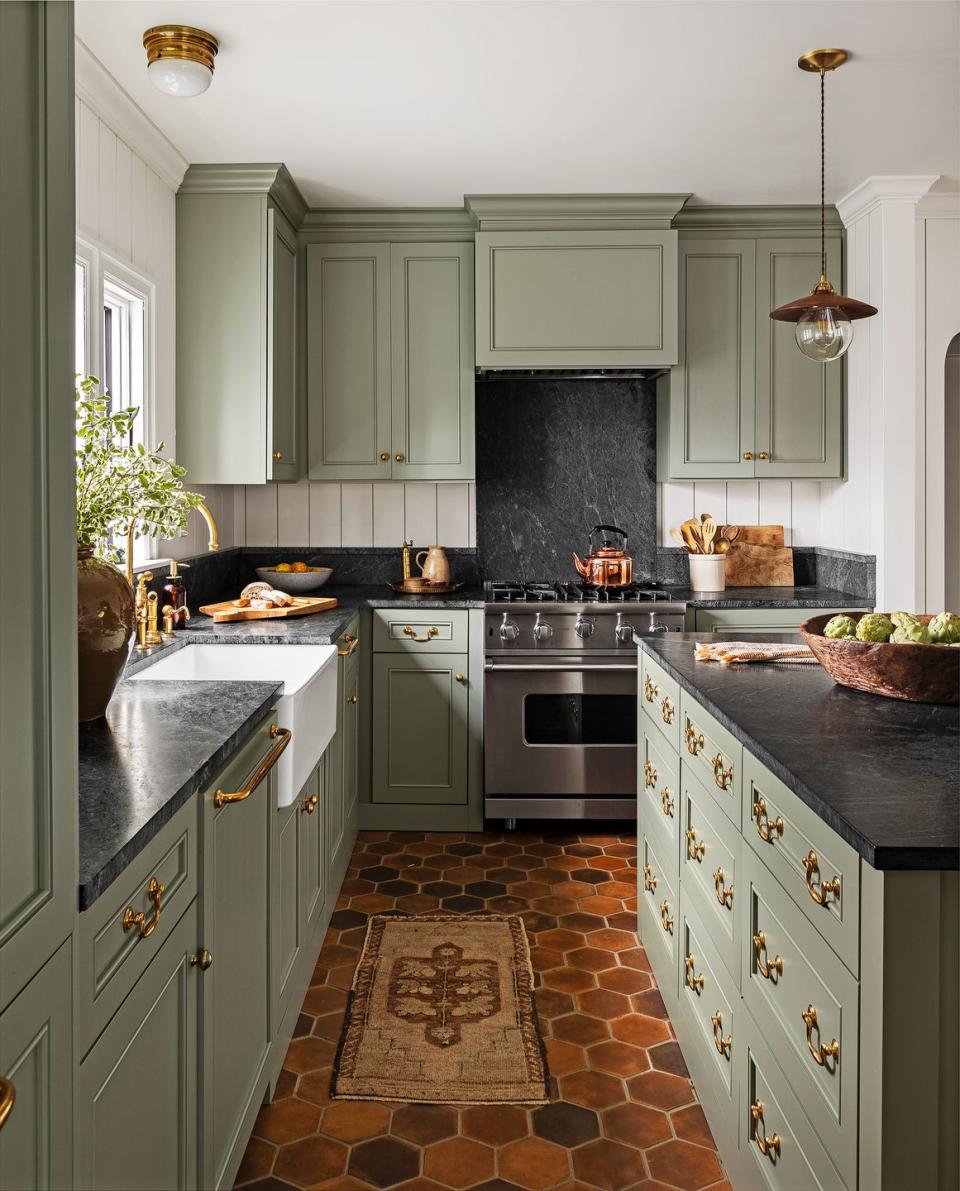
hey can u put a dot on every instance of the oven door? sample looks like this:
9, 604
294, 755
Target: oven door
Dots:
567, 726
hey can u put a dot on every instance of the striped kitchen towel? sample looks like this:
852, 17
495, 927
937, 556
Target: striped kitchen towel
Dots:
729, 652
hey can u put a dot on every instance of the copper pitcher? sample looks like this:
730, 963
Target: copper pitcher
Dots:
607, 565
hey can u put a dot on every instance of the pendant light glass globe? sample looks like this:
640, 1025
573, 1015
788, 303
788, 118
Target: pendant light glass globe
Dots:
824, 334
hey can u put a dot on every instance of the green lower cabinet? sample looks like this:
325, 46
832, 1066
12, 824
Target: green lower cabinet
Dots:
420, 728
36, 1056
288, 935
312, 838
138, 1123
731, 621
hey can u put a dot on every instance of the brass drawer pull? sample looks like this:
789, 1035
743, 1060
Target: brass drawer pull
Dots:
650, 689
202, 960
765, 829
667, 801
667, 709
408, 631
724, 894
695, 851
282, 737
768, 1146
695, 740
155, 892
309, 805
691, 979
650, 775
722, 778
825, 1050
8, 1094
827, 888
351, 642
665, 920
766, 969
649, 880
351, 699
723, 1045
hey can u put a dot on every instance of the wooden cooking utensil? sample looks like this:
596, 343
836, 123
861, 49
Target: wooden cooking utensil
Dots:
708, 529
691, 535
678, 537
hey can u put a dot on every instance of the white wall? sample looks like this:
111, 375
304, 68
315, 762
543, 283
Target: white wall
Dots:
794, 504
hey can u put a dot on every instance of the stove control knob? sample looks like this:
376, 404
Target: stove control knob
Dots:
508, 629
624, 630
656, 626
541, 630
583, 627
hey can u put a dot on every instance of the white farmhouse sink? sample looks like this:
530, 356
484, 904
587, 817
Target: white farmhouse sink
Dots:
307, 706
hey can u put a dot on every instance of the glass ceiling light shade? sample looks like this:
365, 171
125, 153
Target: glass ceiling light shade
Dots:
824, 318
180, 59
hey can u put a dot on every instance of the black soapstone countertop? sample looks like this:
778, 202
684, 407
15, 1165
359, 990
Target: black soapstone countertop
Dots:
883, 773
771, 597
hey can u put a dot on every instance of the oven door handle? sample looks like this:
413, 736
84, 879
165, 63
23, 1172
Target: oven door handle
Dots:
563, 667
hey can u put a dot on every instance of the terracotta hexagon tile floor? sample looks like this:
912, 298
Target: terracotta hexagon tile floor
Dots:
625, 1117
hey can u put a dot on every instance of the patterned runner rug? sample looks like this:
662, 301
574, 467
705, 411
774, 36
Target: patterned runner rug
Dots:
442, 1010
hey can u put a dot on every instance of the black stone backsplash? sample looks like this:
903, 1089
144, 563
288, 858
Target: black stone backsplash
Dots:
554, 459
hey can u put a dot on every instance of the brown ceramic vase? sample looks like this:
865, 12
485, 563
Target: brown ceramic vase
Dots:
105, 624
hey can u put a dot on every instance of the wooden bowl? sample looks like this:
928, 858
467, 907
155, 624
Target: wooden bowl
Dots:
916, 673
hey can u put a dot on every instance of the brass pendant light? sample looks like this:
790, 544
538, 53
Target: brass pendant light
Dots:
824, 317
180, 59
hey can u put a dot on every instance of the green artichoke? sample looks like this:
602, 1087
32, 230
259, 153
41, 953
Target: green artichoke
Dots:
875, 626
840, 626
903, 619
945, 629
911, 634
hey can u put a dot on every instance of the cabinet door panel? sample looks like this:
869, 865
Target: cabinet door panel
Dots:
312, 860
348, 361
419, 729
433, 361
288, 885
283, 462
799, 402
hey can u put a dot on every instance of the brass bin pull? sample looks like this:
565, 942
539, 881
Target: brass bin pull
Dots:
309, 805
408, 631
351, 643
825, 1050
650, 689
765, 829
650, 775
695, 851
724, 893
155, 892
282, 737
722, 778
723, 1045
667, 801
768, 1146
649, 880
202, 960
665, 920
691, 979
8, 1094
768, 967
667, 709
695, 741
827, 888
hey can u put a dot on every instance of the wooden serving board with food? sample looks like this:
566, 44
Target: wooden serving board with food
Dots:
260, 601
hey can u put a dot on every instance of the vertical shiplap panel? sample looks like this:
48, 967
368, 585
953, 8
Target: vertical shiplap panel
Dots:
239, 515
158, 248
862, 400
261, 514
224, 513
123, 205
710, 497
775, 505
472, 514
88, 174
676, 506
325, 515
108, 188
805, 504
293, 514
867, 535
356, 514
387, 515
743, 502
453, 515
139, 215
420, 517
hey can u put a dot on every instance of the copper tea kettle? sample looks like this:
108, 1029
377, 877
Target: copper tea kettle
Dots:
607, 565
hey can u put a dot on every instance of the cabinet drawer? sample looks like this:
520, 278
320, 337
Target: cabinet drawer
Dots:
421, 631
112, 956
771, 1117
659, 918
709, 867
819, 870
658, 779
660, 699
807, 1009
730, 621
713, 753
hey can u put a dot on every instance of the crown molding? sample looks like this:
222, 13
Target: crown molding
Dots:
101, 92
573, 212
945, 205
883, 188
272, 179
783, 219
326, 224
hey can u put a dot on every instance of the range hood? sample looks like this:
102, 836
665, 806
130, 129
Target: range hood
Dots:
585, 373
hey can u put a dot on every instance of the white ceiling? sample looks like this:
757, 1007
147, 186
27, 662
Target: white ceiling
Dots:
410, 103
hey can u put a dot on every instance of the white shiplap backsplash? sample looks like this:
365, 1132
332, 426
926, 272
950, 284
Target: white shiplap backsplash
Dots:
794, 504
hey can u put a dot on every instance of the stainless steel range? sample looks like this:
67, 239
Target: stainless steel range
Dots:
560, 702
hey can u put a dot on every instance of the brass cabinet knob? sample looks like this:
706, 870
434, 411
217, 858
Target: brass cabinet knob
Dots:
278, 454
748, 455
202, 960
145, 928
691, 979
8, 1094
384, 456
399, 457
459, 678
763, 455
351, 698
309, 805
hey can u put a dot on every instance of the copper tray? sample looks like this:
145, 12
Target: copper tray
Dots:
430, 589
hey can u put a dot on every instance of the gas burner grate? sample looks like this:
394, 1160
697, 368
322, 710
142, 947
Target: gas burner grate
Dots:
566, 592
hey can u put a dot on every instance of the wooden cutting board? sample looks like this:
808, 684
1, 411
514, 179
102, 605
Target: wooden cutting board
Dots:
760, 535
302, 606
758, 566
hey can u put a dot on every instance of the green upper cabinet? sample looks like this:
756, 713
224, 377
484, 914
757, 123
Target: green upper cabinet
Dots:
576, 299
390, 385
239, 418
743, 403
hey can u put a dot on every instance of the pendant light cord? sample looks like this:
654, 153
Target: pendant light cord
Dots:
823, 233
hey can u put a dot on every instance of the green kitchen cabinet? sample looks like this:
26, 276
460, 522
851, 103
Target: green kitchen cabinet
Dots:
340, 763
390, 360
576, 299
743, 403
239, 416
37, 1058
420, 728
139, 1086
312, 840
732, 621
289, 934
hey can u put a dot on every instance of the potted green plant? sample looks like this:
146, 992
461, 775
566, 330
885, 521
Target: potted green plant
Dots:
118, 482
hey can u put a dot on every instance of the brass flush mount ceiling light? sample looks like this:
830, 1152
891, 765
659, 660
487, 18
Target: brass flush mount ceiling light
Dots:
824, 317
180, 59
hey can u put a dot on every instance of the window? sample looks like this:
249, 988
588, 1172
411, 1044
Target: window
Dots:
121, 368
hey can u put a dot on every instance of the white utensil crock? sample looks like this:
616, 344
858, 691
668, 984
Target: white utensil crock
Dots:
707, 572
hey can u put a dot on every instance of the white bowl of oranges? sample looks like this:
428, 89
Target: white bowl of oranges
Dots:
294, 577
